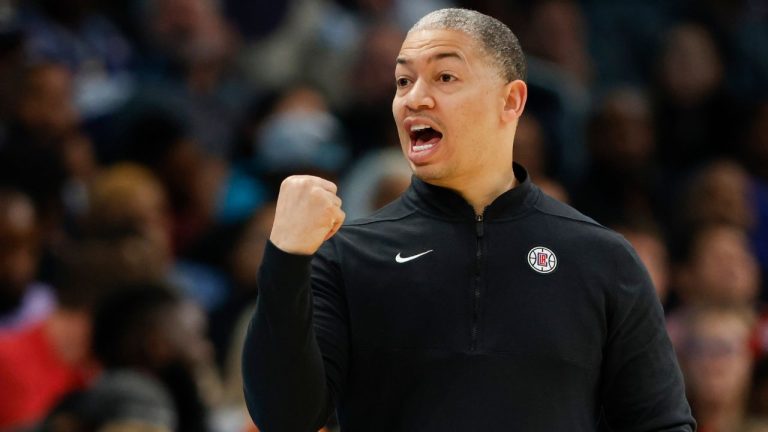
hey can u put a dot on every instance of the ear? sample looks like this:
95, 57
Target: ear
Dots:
516, 93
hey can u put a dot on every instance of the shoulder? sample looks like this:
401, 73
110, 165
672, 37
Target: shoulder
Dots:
608, 251
571, 223
394, 211
558, 209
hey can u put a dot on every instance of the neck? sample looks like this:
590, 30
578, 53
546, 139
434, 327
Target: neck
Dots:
481, 191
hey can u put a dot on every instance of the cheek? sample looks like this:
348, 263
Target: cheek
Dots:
397, 107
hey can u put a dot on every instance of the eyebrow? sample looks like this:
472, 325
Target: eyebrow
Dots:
439, 56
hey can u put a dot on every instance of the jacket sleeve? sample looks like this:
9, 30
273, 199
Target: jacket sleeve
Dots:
295, 353
642, 387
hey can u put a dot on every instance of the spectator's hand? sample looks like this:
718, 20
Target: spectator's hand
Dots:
308, 213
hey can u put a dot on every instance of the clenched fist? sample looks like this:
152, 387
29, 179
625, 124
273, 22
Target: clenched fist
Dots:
308, 213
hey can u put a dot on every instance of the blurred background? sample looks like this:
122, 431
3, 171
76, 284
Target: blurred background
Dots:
142, 143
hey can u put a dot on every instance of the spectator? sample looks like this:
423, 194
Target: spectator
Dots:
301, 135
368, 113
23, 301
44, 153
558, 34
532, 152
152, 329
128, 198
719, 193
755, 157
623, 181
243, 264
11, 61
718, 268
696, 119
42, 362
120, 401
559, 80
189, 66
652, 250
717, 364
74, 34
200, 190
373, 181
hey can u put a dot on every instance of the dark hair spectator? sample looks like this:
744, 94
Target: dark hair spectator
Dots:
22, 299
717, 267
122, 401
623, 181
151, 328
43, 361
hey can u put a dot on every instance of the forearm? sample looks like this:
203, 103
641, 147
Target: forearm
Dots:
283, 372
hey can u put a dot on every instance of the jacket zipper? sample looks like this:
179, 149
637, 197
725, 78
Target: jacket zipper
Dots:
477, 279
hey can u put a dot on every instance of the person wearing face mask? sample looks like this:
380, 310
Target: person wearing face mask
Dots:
473, 302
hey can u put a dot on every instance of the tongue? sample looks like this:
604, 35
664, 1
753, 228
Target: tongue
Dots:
428, 137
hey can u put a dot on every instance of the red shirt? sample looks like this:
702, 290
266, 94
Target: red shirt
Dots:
33, 376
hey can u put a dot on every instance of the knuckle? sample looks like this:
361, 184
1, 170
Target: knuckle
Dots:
291, 181
317, 191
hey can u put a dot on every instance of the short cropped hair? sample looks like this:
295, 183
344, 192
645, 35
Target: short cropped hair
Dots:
496, 39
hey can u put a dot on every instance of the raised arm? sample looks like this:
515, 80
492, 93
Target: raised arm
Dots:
294, 358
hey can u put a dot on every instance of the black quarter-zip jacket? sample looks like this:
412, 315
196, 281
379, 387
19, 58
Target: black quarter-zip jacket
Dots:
426, 317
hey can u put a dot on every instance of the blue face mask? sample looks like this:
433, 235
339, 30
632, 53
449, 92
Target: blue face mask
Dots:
301, 140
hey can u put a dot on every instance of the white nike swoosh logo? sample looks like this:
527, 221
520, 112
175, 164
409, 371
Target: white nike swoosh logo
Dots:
401, 260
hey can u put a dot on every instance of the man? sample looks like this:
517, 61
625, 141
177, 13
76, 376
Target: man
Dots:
23, 301
473, 302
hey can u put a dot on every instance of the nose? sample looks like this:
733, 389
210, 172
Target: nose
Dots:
420, 96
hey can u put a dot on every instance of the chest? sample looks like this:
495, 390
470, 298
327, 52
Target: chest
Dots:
480, 287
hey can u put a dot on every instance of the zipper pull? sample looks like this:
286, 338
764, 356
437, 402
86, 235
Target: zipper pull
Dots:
479, 225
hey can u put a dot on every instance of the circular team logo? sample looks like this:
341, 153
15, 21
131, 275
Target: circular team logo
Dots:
542, 259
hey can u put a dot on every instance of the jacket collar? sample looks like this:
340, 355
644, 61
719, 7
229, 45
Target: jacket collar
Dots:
447, 204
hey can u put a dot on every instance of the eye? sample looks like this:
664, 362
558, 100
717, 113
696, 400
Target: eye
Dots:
446, 77
402, 82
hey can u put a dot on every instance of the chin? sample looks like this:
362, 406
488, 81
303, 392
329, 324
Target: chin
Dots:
430, 174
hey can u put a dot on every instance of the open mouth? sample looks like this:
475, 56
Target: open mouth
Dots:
423, 137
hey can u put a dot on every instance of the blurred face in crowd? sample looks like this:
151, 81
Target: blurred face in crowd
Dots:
247, 256
46, 104
452, 107
717, 361
129, 196
721, 194
622, 131
381, 44
529, 146
722, 269
18, 246
183, 328
691, 67
192, 30
557, 33
653, 254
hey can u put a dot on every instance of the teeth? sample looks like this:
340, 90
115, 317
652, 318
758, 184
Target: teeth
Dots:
419, 127
423, 147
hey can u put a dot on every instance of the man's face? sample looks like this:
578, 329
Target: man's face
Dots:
448, 107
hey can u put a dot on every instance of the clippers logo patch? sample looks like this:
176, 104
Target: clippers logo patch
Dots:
542, 260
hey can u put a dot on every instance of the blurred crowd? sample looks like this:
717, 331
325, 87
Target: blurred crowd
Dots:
142, 143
